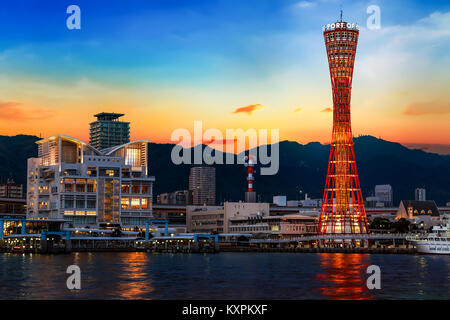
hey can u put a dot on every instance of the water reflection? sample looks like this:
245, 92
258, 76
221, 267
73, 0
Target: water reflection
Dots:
223, 276
344, 276
134, 281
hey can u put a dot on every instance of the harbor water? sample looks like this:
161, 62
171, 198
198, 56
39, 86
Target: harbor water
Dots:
227, 275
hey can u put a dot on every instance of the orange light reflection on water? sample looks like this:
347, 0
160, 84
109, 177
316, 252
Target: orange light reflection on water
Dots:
136, 281
344, 276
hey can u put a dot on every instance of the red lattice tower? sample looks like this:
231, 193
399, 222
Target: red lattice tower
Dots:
342, 207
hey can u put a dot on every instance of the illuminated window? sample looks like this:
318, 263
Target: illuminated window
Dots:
68, 187
80, 187
91, 186
135, 203
144, 202
132, 157
125, 203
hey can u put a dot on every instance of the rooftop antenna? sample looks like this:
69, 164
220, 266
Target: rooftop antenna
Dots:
341, 15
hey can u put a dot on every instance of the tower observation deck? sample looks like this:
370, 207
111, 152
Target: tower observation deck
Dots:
342, 206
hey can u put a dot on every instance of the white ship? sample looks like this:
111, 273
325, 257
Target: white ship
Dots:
436, 242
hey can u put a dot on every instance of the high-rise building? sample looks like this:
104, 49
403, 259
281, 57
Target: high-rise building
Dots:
108, 131
202, 184
71, 180
384, 194
343, 209
420, 194
10, 189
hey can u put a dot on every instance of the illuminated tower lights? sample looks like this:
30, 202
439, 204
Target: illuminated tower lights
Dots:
342, 206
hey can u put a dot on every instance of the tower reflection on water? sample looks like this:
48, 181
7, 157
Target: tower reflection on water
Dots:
344, 276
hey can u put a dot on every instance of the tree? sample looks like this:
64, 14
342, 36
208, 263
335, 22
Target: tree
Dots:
401, 225
380, 223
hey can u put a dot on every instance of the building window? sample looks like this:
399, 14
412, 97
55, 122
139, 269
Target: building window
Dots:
135, 203
135, 189
80, 204
91, 204
125, 203
80, 187
68, 203
144, 202
91, 186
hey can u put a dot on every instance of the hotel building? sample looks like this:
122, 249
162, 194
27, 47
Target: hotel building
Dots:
73, 181
108, 131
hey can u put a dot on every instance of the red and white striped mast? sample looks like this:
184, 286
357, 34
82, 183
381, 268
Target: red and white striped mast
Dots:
249, 164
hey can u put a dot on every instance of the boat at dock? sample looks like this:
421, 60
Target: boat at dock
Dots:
436, 242
17, 249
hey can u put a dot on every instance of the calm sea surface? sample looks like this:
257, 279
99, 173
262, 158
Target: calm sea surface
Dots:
224, 276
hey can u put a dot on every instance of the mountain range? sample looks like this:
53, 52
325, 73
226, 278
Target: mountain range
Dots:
302, 169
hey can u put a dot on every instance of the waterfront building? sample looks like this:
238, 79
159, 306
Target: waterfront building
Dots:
420, 194
419, 211
276, 227
206, 219
13, 207
10, 189
202, 184
108, 131
174, 214
71, 180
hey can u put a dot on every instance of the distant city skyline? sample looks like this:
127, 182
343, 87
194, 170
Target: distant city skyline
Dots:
252, 64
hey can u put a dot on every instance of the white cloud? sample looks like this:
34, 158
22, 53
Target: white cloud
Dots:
304, 4
395, 52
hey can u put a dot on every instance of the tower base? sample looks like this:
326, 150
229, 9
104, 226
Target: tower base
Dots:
250, 196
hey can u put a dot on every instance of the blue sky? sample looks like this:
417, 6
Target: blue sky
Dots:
188, 60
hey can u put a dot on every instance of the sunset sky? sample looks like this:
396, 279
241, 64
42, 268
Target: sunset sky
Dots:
230, 63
